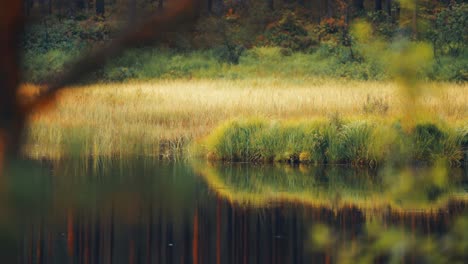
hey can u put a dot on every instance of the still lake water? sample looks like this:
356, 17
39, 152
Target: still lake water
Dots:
147, 211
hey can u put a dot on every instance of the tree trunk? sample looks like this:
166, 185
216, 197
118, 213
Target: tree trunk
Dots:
329, 8
378, 5
26, 7
347, 15
161, 4
131, 11
358, 5
388, 7
31, 4
218, 7
415, 20
50, 7
301, 2
320, 11
271, 5
11, 116
397, 11
80, 4
71, 9
44, 7
210, 6
100, 7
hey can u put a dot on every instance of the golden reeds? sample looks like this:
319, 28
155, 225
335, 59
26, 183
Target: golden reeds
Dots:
161, 117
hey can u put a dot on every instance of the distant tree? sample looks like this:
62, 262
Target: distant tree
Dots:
80, 4
100, 7
161, 4
388, 7
131, 10
218, 6
329, 8
43, 6
358, 5
450, 31
27, 6
415, 20
271, 5
320, 10
210, 6
378, 5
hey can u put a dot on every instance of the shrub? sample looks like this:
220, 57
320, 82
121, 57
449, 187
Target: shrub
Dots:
287, 33
37, 67
65, 34
230, 53
330, 26
448, 68
383, 24
450, 33
119, 74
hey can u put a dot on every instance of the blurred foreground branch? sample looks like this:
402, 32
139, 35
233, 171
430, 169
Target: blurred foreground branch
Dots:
13, 114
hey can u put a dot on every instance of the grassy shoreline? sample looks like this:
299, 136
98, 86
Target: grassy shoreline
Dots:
360, 143
165, 118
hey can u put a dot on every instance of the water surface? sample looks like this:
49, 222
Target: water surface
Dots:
143, 210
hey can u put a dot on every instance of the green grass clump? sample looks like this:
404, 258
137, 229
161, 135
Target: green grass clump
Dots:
428, 141
234, 141
355, 141
361, 143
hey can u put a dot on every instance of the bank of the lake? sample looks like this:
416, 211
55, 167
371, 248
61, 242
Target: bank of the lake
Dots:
368, 142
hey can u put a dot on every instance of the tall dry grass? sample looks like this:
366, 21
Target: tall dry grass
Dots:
161, 117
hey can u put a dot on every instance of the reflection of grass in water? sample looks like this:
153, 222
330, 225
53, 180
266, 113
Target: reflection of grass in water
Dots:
330, 187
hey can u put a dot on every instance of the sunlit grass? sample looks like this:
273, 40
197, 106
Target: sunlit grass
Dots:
162, 117
368, 142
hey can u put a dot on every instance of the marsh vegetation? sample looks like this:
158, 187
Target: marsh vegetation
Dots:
168, 118
234, 132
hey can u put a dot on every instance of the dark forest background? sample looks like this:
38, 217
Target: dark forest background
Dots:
249, 38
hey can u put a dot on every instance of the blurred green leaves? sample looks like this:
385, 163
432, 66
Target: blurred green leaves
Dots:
380, 243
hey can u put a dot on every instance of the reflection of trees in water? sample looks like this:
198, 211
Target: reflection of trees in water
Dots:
91, 196
215, 232
143, 211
